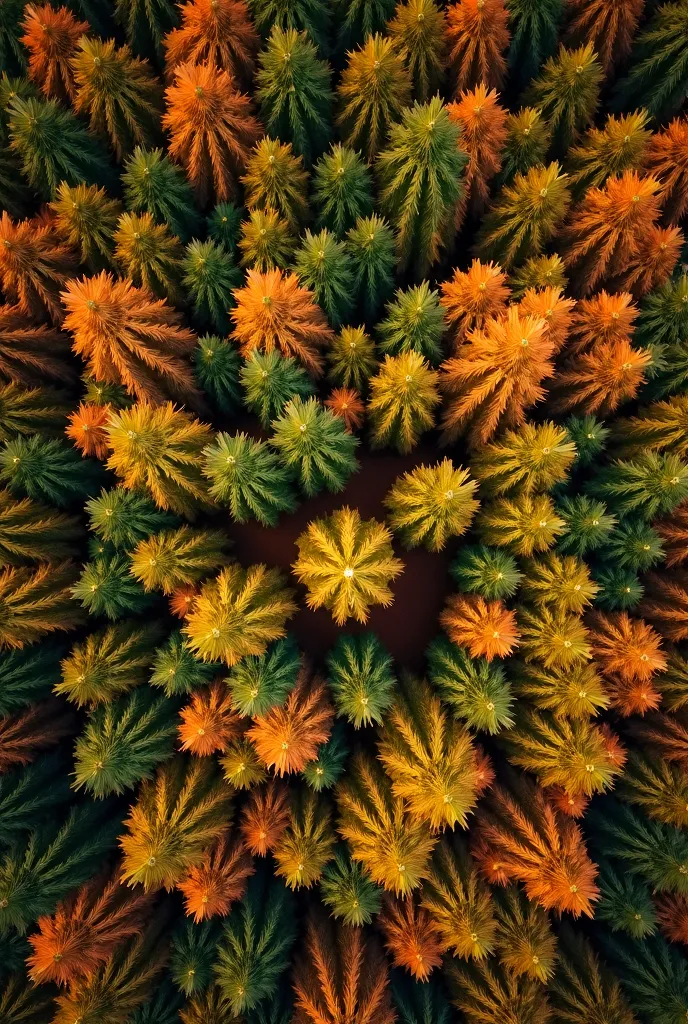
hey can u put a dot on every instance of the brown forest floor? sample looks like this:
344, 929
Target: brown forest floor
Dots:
410, 623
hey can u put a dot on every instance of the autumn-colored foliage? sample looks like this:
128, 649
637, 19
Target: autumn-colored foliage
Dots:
496, 376
215, 32
128, 337
288, 737
478, 35
212, 129
51, 36
274, 313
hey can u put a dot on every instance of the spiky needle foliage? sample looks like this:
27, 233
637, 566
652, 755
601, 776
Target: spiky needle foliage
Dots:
347, 565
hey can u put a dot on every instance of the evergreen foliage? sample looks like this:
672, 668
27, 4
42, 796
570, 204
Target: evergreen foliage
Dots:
249, 248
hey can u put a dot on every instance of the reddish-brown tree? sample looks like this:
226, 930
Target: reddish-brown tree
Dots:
219, 880
549, 304
340, 976
87, 429
666, 604
212, 129
347, 404
264, 817
51, 36
667, 159
39, 726
34, 265
473, 296
483, 133
523, 838
209, 722
273, 312
674, 533
129, 337
32, 353
600, 380
215, 32
288, 737
609, 25
486, 628
603, 318
411, 936
85, 930
478, 35
495, 377
610, 230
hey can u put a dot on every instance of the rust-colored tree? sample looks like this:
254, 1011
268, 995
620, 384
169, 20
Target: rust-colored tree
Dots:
211, 887
411, 936
483, 124
34, 265
341, 975
85, 930
128, 337
609, 27
215, 32
273, 312
212, 129
473, 296
610, 232
478, 35
667, 160
522, 838
51, 36
288, 737
31, 353
495, 377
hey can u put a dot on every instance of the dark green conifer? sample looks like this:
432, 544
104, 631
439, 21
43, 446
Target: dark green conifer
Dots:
294, 92
153, 184
192, 956
625, 902
123, 518
123, 741
371, 246
490, 572
217, 365
343, 189
224, 226
248, 478
314, 444
477, 691
360, 676
254, 949
37, 873
48, 470
106, 587
324, 770
306, 16
620, 588
588, 524
414, 322
177, 671
658, 74
29, 793
534, 27
210, 277
28, 675
261, 682
145, 22
270, 380
323, 264
347, 890
54, 146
